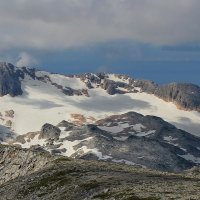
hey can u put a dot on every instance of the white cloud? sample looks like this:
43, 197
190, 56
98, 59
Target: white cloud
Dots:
53, 24
25, 59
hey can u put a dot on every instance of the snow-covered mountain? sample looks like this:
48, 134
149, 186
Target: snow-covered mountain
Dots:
91, 108
31, 98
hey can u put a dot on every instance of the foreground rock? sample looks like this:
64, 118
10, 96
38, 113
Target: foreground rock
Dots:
16, 162
61, 178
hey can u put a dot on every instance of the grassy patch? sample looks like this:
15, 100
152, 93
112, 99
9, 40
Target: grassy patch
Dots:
57, 179
90, 185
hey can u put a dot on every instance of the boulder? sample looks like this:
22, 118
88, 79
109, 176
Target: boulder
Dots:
49, 131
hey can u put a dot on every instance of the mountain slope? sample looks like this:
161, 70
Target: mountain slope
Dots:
130, 138
61, 178
51, 98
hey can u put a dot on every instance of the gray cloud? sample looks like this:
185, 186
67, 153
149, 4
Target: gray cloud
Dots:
53, 24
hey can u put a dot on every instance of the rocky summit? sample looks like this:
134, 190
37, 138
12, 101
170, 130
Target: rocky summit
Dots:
9, 80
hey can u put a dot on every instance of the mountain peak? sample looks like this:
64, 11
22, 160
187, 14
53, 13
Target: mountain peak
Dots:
6, 65
9, 80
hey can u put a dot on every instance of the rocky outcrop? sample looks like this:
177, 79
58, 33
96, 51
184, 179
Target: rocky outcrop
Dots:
185, 95
9, 80
62, 178
67, 125
49, 131
15, 162
9, 113
89, 79
154, 128
112, 87
130, 138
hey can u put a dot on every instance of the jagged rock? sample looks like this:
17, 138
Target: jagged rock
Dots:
9, 80
8, 123
85, 92
49, 131
68, 126
145, 85
68, 91
29, 71
9, 113
186, 96
15, 161
89, 78
110, 86
88, 85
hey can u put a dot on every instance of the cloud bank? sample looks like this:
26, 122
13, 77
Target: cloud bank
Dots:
52, 24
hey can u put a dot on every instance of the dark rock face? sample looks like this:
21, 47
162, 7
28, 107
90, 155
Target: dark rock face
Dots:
145, 85
111, 86
49, 131
89, 78
187, 96
29, 71
67, 125
9, 80
184, 95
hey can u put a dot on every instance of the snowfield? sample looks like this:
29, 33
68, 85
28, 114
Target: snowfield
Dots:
44, 103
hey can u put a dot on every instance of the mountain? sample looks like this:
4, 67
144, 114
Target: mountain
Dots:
130, 138
101, 116
31, 98
97, 136
35, 174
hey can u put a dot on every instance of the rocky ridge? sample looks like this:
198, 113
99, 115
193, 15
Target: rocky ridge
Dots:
9, 80
186, 96
57, 177
16, 162
130, 138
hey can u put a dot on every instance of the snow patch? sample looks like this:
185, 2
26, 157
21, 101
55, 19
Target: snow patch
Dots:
115, 129
115, 78
121, 138
123, 161
142, 134
169, 138
190, 157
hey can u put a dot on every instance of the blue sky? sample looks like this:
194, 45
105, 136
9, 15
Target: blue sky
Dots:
161, 64
157, 40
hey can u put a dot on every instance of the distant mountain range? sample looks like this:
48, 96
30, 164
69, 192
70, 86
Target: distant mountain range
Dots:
110, 117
